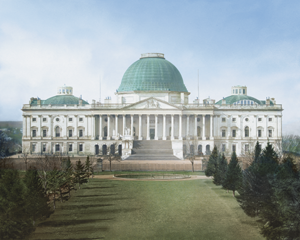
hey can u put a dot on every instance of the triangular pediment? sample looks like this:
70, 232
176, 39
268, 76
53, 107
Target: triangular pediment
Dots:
152, 103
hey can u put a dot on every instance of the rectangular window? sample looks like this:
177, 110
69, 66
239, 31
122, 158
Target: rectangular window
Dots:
259, 119
70, 147
80, 147
233, 133
80, 119
223, 133
223, 119
259, 145
259, 132
80, 133
57, 147
70, 133
44, 119
34, 119
44, 133
70, 119
270, 119
270, 133
33, 133
223, 147
33, 147
247, 148
233, 147
234, 119
44, 147
244, 91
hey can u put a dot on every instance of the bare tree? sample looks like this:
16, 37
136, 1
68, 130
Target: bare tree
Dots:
191, 152
25, 157
112, 154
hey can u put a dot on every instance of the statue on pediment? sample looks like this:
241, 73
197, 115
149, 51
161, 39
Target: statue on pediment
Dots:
152, 104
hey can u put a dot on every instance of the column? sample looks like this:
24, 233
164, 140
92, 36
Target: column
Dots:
187, 126
172, 127
108, 127
203, 127
148, 126
28, 126
51, 127
131, 125
116, 126
140, 127
124, 124
66, 125
164, 127
25, 126
40, 127
266, 132
211, 137
180, 127
76, 127
156, 137
93, 127
195, 130
100, 127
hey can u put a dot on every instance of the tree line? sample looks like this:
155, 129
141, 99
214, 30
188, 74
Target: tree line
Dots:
26, 199
268, 190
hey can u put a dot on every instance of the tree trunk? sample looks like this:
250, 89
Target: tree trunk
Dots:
54, 201
233, 193
193, 166
61, 200
69, 191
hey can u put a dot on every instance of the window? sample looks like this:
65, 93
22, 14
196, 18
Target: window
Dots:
80, 132
223, 119
246, 147
80, 119
44, 133
240, 90
233, 133
57, 132
234, 119
70, 119
80, 147
259, 119
70, 133
233, 91
70, 148
236, 91
246, 131
223, 133
44, 147
33, 147
57, 119
57, 148
270, 119
34, 119
33, 133
259, 132
233, 147
246, 119
44, 119
198, 120
223, 147
244, 91
270, 133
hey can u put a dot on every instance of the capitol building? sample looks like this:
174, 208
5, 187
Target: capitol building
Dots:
152, 118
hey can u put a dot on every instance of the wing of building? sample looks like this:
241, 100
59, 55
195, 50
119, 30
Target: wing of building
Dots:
152, 113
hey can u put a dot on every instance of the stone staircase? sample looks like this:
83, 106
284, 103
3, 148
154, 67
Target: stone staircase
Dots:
152, 150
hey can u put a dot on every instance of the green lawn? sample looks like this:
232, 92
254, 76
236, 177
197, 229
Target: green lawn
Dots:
112, 209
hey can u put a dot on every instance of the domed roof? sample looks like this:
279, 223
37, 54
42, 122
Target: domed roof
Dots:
235, 98
152, 73
63, 99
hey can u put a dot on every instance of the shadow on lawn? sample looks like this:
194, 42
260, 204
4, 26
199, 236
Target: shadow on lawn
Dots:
75, 238
99, 195
71, 222
85, 206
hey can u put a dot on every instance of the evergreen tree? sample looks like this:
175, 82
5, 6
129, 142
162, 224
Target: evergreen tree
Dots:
88, 168
55, 182
257, 152
15, 223
37, 206
80, 174
212, 163
69, 175
233, 179
220, 174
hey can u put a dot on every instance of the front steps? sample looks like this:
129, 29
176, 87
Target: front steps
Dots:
152, 150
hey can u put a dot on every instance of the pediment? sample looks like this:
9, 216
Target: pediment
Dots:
152, 103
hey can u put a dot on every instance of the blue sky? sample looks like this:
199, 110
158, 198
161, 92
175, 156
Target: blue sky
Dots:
45, 44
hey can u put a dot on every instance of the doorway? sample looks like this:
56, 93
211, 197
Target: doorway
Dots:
152, 133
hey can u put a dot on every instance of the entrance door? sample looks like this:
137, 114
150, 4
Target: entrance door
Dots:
152, 133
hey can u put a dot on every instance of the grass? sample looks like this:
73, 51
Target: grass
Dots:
112, 209
199, 173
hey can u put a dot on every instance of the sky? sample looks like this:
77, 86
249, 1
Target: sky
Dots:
46, 44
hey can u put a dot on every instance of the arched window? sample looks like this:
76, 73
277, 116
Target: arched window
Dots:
57, 132
104, 150
120, 150
207, 149
192, 151
96, 149
112, 149
184, 150
246, 131
200, 149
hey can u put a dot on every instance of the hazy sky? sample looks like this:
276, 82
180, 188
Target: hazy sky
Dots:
45, 44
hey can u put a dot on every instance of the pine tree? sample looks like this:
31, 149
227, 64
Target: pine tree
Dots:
80, 174
88, 168
37, 206
15, 222
69, 175
212, 163
257, 152
220, 174
55, 182
233, 178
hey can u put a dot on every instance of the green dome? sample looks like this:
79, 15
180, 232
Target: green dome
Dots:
152, 74
235, 98
60, 100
